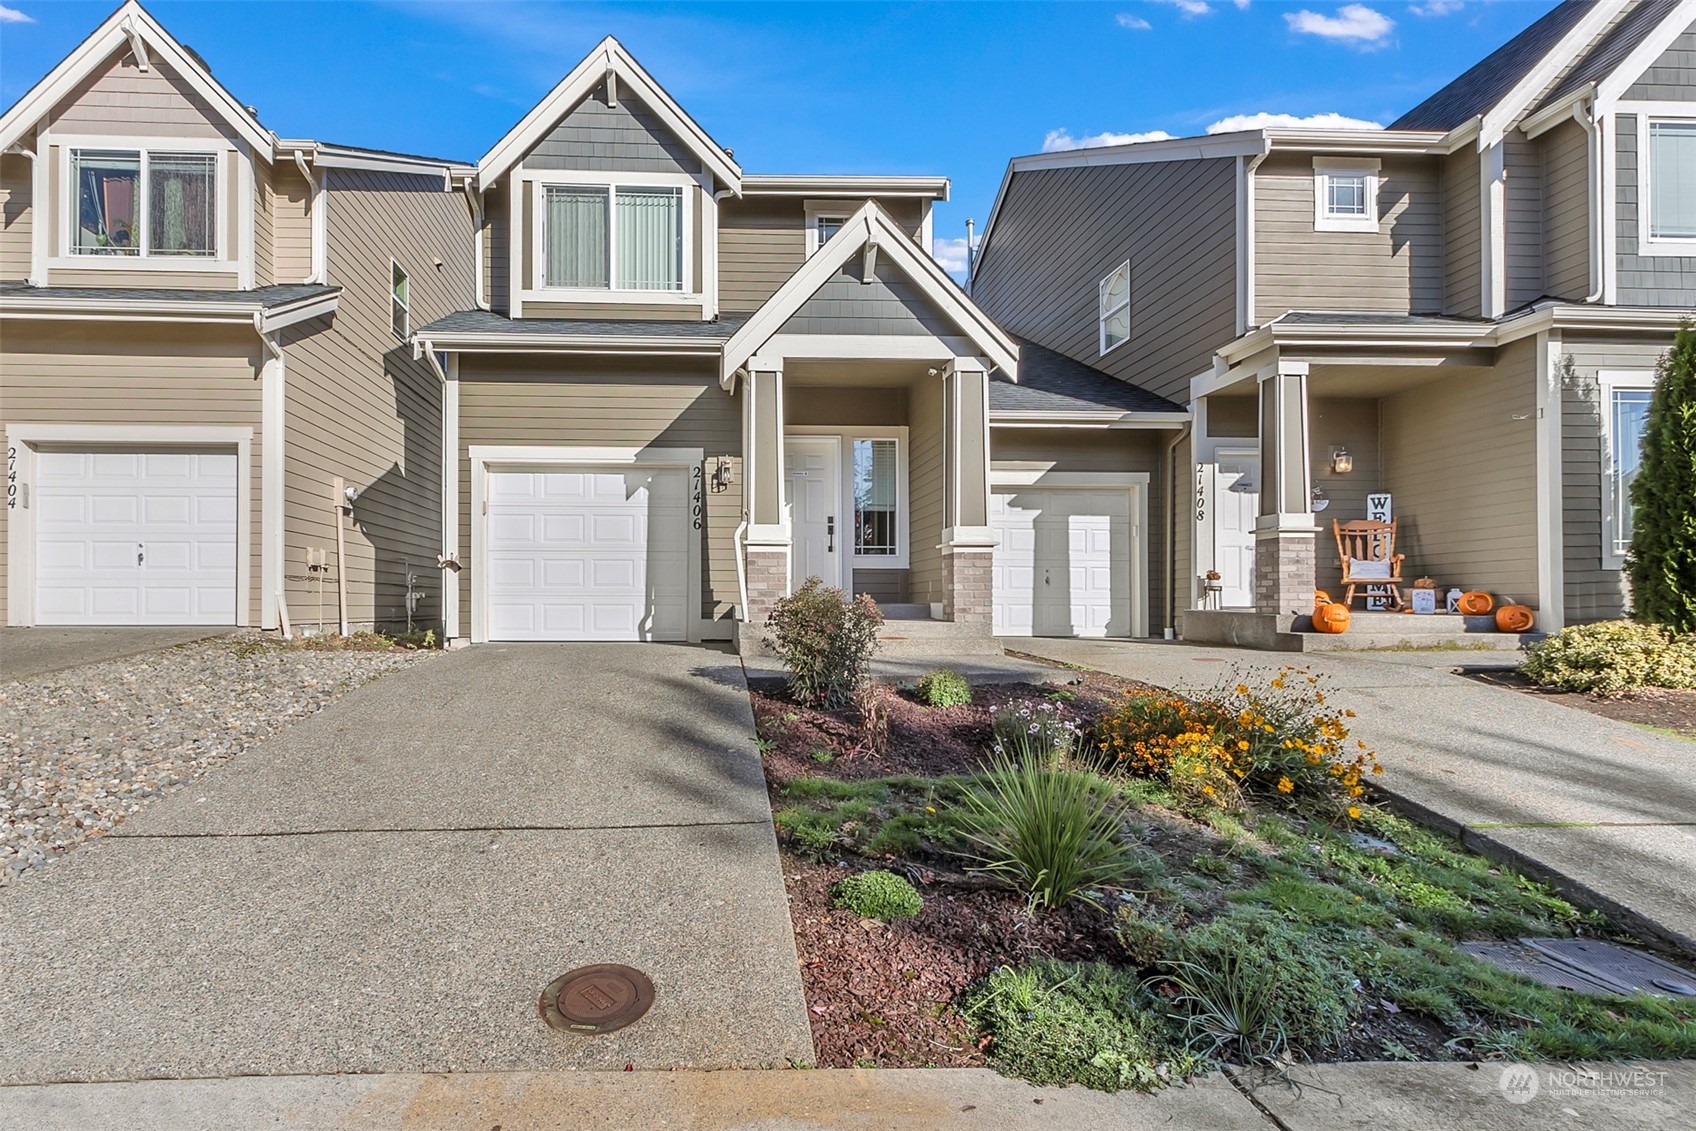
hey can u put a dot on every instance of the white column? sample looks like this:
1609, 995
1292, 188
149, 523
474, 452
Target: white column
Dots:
768, 540
1551, 511
450, 498
273, 403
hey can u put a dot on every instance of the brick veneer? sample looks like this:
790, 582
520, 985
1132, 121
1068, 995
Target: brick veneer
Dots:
768, 582
968, 585
1284, 573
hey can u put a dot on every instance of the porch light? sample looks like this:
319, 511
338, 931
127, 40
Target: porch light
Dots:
1341, 462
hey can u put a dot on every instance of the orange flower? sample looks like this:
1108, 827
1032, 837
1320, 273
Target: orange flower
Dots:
1285, 785
1354, 812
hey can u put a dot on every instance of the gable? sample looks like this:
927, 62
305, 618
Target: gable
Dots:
628, 137
119, 98
889, 305
1672, 77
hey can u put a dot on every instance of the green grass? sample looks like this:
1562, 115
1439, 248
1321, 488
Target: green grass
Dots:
899, 815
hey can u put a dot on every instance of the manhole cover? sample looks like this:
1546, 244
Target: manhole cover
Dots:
596, 999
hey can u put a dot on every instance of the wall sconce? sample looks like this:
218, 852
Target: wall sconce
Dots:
1341, 462
721, 475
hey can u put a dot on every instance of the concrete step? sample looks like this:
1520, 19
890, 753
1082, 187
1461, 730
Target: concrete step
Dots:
1354, 641
1416, 624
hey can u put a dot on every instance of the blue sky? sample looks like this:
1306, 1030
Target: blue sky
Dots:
949, 88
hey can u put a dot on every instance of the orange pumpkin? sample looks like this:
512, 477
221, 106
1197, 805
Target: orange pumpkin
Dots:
1476, 603
1321, 598
1515, 618
1331, 617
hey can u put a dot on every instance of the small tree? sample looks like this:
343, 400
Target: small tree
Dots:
826, 639
1662, 563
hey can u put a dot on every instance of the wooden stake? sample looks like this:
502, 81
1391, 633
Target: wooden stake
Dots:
338, 491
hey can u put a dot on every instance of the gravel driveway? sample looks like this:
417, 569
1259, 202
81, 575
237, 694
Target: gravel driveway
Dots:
82, 749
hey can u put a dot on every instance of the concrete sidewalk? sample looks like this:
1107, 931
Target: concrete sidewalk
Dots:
1602, 808
37, 651
389, 885
1343, 1097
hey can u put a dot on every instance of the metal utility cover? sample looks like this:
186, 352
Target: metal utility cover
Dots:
1528, 962
596, 999
1634, 971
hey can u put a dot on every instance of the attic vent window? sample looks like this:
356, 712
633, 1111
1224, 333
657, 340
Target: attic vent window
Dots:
1345, 195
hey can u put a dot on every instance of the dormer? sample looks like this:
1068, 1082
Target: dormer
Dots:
603, 201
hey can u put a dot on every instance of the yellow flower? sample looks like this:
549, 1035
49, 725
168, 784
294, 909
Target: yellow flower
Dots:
1349, 712
1279, 683
930, 808
1242, 744
1242, 689
1285, 785
1354, 812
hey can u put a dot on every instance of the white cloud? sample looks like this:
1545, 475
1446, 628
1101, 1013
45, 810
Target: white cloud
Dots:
1189, 7
1134, 23
1265, 121
1062, 139
1353, 23
1242, 5
13, 16
1436, 7
951, 254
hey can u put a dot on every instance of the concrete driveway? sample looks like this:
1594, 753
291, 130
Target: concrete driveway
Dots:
1605, 808
36, 651
388, 886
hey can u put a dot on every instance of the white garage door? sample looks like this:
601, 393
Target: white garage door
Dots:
1062, 561
589, 554
135, 537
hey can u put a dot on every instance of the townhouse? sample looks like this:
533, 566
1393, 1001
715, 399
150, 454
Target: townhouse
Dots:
1455, 320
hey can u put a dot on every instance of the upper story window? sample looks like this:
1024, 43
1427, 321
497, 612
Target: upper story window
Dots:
400, 301
1668, 195
1345, 195
144, 203
613, 237
824, 219
1116, 307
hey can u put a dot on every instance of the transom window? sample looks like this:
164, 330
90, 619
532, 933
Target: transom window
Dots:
1625, 408
613, 237
138, 202
828, 226
1116, 307
875, 492
1672, 181
400, 301
1345, 195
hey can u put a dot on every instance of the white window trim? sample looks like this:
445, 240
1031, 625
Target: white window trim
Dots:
1610, 380
845, 478
540, 180
1323, 169
488, 457
835, 209
221, 262
1102, 313
395, 265
1648, 112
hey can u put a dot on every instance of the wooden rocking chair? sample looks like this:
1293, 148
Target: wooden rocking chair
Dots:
1367, 549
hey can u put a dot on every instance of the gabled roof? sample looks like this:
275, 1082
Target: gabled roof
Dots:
870, 225
1613, 48
128, 26
608, 57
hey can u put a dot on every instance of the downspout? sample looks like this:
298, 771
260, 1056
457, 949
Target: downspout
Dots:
1172, 531
314, 200
1584, 115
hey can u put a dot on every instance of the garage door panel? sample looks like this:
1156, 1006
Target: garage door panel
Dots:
566, 531
1062, 561
114, 510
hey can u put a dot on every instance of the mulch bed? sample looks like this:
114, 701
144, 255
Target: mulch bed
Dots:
1666, 708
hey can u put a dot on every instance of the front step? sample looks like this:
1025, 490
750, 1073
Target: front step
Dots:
1244, 628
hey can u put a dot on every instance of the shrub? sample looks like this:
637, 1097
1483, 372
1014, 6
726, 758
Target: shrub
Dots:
1611, 658
826, 640
878, 895
1059, 1023
944, 689
1144, 940
1052, 833
1662, 562
1029, 731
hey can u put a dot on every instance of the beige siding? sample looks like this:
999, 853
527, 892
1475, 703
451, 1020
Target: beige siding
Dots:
1566, 211
1462, 470
1524, 210
16, 188
1061, 231
291, 225
1235, 417
763, 240
830, 406
264, 226
1462, 283
121, 99
1352, 423
1395, 268
361, 408
602, 403
75, 373
924, 493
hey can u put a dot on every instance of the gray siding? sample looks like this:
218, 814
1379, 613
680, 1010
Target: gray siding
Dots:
1524, 207
1061, 231
1672, 78
360, 407
1594, 591
1566, 211
924, 492
623, 138
497, 249
832, 406
889, 304
1399, 267
762, 241
1352, 423
1653, 280
1462, 279
16, 186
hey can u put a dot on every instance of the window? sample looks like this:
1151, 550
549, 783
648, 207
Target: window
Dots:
131, 202
824, 219
613, 237
876, 485
1116, 307
1625, 410
400, 301
1345, 195
825, 227
1669, 213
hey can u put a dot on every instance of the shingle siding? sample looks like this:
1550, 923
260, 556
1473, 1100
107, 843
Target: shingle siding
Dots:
597, 137
1672, 77
887, 305
1643, 280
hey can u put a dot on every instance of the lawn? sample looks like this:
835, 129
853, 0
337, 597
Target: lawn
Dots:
1251, 902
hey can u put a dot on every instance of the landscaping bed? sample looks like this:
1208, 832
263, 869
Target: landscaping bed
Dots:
1659, 708
1264, 876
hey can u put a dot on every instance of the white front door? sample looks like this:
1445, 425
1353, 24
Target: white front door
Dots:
1236, 496
136, 537
1063, 561
589, 553
812, 485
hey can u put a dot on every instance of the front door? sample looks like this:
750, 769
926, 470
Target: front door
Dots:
811, 470
1236, 504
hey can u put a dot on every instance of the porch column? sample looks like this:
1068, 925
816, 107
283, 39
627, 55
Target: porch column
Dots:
1284, 531
767, 545
968, 544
